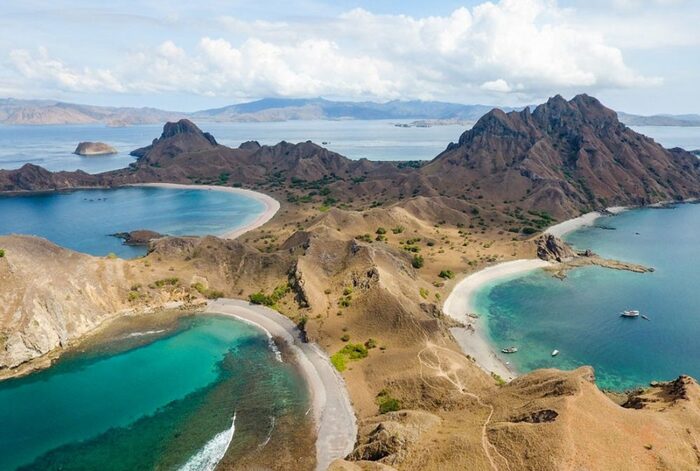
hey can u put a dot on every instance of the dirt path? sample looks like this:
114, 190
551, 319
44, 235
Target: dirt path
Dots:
449, 373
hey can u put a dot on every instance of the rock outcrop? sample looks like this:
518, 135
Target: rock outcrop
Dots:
551, 248
141, 237
88, 149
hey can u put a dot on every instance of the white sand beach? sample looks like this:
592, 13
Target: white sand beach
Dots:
271, 204
330, 404
461, 302
588, 219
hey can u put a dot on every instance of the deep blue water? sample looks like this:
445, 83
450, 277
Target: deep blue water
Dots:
82, 220
580, 315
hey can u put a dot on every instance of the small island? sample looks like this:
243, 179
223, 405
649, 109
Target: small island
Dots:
89, 149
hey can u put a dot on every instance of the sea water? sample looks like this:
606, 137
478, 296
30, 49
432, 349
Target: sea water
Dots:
83, 220
171, 398
580, 315
52, 146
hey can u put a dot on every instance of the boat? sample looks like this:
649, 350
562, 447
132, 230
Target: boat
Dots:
630, 314
555, 353
510, 350
645, 317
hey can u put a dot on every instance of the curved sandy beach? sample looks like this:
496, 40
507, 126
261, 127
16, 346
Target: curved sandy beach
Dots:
271, 204
336, 426
460, 301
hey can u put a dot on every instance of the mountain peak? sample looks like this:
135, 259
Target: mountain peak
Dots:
184, 126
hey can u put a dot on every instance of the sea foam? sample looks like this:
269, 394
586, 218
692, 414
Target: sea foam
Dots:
212, 452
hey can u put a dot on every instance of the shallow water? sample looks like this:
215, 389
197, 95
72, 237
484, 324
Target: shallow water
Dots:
164, 401
83, 220
580, 316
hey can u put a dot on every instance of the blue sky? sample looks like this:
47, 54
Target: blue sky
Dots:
636, 55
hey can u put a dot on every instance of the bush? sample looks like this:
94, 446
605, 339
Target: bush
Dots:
529, 230
278, 293
447, 274
167, 282
2, 253
371, 343
381, 231
398, 229
387, 403
424, 293
417, 261
345, 337
352, 351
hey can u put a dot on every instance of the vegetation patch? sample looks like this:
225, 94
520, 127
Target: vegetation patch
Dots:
173, 281
387, 403
270, 300
350, 352
2, 253
208, 292
447, 274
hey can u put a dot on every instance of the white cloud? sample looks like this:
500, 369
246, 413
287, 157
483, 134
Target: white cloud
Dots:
528, 47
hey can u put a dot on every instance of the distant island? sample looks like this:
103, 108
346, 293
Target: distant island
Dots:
41, 112
89, 149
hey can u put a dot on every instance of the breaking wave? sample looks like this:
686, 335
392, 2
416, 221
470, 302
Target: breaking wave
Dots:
212, 452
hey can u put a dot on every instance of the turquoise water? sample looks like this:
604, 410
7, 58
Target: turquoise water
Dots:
580, 315
149, 401
82, 220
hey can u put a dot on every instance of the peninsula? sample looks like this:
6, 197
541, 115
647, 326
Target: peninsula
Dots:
362, 257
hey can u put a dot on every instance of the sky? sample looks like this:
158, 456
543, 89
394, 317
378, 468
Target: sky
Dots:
638, 56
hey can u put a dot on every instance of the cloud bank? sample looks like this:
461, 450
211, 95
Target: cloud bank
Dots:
525, 47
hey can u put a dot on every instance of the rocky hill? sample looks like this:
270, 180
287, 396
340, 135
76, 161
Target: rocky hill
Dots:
564, 157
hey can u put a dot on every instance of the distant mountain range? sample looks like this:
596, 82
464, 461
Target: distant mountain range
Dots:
42, 112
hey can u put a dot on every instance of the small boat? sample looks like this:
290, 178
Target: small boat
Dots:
510, 350
555, 353
630, 314
645, 317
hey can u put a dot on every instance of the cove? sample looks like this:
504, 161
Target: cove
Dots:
161, 397
83, 220
580, 315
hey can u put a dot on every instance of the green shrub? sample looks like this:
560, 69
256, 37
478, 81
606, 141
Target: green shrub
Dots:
270, 300
381, 231
172, 281
398, 229
351, 351
345, 337
2, 253
529, 230
447, 274
424, 293
387, 403
364, 238
499, 381
371, 343
417, 261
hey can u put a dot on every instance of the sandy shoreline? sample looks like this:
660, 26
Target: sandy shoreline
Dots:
460, 301
271, 204
336, 425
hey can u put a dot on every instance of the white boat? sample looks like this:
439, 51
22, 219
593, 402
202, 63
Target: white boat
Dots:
630, 314
555, 353
510, 350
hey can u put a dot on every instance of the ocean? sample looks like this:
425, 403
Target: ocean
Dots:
83, 220
51, 146
580, 315
170, 395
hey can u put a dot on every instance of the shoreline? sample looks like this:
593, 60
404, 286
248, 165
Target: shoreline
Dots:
460, 303
334, 416
473, 341
271, 205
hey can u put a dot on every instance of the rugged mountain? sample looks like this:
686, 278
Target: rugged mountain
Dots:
281, 109
684, 120
31, 177
38, 112
564, 157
